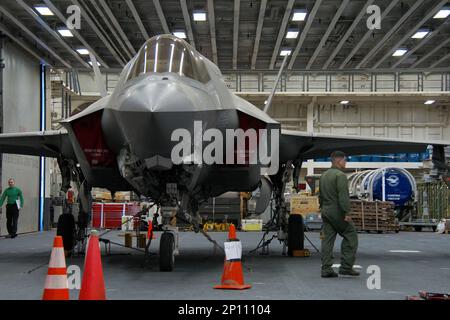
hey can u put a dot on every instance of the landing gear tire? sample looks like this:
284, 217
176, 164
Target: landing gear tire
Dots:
166, 252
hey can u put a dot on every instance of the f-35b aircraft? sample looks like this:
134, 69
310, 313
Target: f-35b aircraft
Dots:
125, 141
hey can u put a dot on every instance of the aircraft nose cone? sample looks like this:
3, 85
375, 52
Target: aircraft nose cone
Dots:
163, 95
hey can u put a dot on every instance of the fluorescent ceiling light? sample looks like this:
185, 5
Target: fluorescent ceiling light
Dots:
199, 16
180, 34
430, 101
299, 15
98, 63
443, 13
285, 52
345, 102
83, 51
420, 34
399, 52
44, 11
65, 33
291, 34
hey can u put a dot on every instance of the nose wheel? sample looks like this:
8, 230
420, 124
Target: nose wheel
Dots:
167, 252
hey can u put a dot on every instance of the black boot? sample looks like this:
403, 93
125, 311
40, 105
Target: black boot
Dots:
331, 274
350, 272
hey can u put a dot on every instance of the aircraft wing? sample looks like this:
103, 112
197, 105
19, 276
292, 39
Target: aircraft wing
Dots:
302, 145
45, 143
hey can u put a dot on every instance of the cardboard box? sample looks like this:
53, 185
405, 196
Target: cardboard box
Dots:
304, 205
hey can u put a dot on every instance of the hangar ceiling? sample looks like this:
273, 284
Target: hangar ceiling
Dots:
240, 34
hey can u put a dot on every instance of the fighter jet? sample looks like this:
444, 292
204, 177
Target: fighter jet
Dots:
170, 100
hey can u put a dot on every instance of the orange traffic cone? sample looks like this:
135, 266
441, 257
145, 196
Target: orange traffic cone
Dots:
56, 285
93, 284
150, 232
233, 276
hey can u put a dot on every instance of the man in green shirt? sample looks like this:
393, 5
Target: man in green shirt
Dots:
335, 208
13, 206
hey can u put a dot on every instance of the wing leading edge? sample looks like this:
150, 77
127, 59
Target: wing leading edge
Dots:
45, 143
295, 145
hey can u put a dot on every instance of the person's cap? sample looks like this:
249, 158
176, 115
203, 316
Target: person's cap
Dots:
337, 154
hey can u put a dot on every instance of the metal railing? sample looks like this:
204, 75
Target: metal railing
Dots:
338, 82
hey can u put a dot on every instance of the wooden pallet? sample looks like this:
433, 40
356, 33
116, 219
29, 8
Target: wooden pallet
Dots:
373, 216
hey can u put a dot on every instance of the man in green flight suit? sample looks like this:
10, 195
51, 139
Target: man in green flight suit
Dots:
12, 207
335, 208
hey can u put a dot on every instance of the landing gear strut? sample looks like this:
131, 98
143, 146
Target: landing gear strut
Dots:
279, 185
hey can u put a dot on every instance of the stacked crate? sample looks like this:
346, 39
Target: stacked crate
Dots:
374, 216
304, 204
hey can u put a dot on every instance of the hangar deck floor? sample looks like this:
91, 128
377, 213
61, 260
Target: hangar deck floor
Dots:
422, 263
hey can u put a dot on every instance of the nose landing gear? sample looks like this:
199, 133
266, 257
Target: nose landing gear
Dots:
168, 246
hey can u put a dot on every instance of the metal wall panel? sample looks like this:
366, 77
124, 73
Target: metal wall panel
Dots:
21, 105
406, 121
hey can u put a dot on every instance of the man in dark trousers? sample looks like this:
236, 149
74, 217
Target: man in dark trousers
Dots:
335, 208
13, 205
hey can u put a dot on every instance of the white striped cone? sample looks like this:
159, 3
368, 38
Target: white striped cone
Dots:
56, 284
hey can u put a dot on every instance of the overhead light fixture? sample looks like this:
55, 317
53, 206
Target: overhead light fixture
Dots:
44, 10
299, 15
285, 52
399, 52
98, 63
345, 102
199, 16
420, 34
443, 13
83, 52
429, 102
292, 34
180, 34
65, 32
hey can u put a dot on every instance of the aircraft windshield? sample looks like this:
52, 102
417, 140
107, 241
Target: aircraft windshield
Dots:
169, 54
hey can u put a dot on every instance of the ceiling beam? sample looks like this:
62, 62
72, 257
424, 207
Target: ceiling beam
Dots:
34, 37
237, 5
355, 49
112, 31
161, 16
117, 26
435, 64
347, 34
212, 30
421, 43
20, 42
305, 31
52, 32
391, 31
97, 31
262, 13
187, 22
102, 15
408, 35
327, 33
137, 18
429, 54
75, 32
281, 32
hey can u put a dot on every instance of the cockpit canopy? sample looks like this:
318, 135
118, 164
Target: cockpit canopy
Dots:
166, 53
